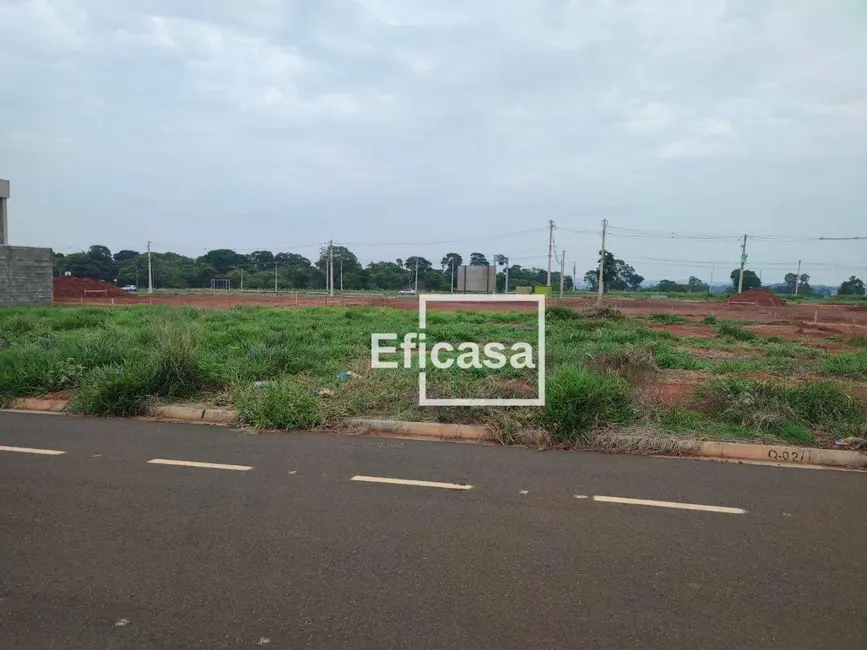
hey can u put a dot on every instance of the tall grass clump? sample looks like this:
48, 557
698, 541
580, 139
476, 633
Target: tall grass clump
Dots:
776, 408
709, 320
851, 364
177, 369
580, 399
120, 390
732, 330
279, 404
559, 312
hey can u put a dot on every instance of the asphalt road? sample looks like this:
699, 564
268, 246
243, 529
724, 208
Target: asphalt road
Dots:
100, 548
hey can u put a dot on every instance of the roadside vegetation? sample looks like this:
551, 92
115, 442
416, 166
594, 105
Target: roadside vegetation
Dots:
309, 368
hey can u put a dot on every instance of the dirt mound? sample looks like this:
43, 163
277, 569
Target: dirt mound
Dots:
70, 287
760, 297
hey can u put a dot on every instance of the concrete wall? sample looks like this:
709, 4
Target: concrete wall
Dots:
476, 279
25, 276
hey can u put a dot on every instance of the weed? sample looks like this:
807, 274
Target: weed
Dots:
559, 312
602, 311
671, 359
636, 365
709, 320
120, 391
732, 330
581, 399
668, 318
850, 364
281, 404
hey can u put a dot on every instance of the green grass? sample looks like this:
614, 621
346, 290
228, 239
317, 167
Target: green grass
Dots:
117, 361
709, 320
788, 411
668, 318
732, 330
852, 365
580, 400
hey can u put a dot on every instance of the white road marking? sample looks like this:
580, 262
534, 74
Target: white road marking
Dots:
264, 641
581, 496
121, 623
190, 463
523, 492
29, 450
671, 504
404, 481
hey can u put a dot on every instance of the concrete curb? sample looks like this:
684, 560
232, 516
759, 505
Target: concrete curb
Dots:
780, 454
471, 433
425, 429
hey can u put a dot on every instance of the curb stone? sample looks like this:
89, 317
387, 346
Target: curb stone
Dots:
728, 450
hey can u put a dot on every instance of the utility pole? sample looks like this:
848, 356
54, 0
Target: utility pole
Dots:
150, 271
242, 279
743, 261
710, 284
573, 277
416, 273
506, 286
602, 260
798, 277
331, 267
452, 279
275, 277
494, 262
341, 275
562, 271
550, 247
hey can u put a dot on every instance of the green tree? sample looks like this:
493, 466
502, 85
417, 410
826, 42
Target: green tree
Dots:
222, 259
478, 259
451, 259
694, 285
852, 287
125, 255
617, 275
751, 280
804, 288
385, 276
261, 259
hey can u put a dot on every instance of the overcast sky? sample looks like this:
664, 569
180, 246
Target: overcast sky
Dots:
270, 124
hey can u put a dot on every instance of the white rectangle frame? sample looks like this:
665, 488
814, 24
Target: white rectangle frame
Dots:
539, 299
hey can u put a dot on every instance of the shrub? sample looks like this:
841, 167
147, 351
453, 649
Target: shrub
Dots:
175, 364
731, 330
120, 391
667, 318
709, 320
559, 312
633, 364
279, 404
581, 399
602, 311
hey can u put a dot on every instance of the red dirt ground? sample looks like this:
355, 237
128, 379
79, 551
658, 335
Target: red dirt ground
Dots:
69, 287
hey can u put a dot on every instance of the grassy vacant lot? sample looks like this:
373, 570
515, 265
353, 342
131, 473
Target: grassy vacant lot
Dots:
605, 372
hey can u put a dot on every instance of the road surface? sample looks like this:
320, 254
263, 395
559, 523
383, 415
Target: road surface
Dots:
312, 541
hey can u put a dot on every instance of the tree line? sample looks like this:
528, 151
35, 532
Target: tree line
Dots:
260, 270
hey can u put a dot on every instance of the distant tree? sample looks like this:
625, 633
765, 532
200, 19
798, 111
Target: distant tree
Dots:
694, 285
804, 288
478, 259
386, 275
617, 275
670, 286
341, 253
222, 260
449, 259
751, 280
260, 260
125, 255
852, 287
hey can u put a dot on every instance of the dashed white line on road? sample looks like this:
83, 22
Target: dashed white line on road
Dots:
671, 504
581, 496
523, 491
29, 450
190, 463
405, 481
